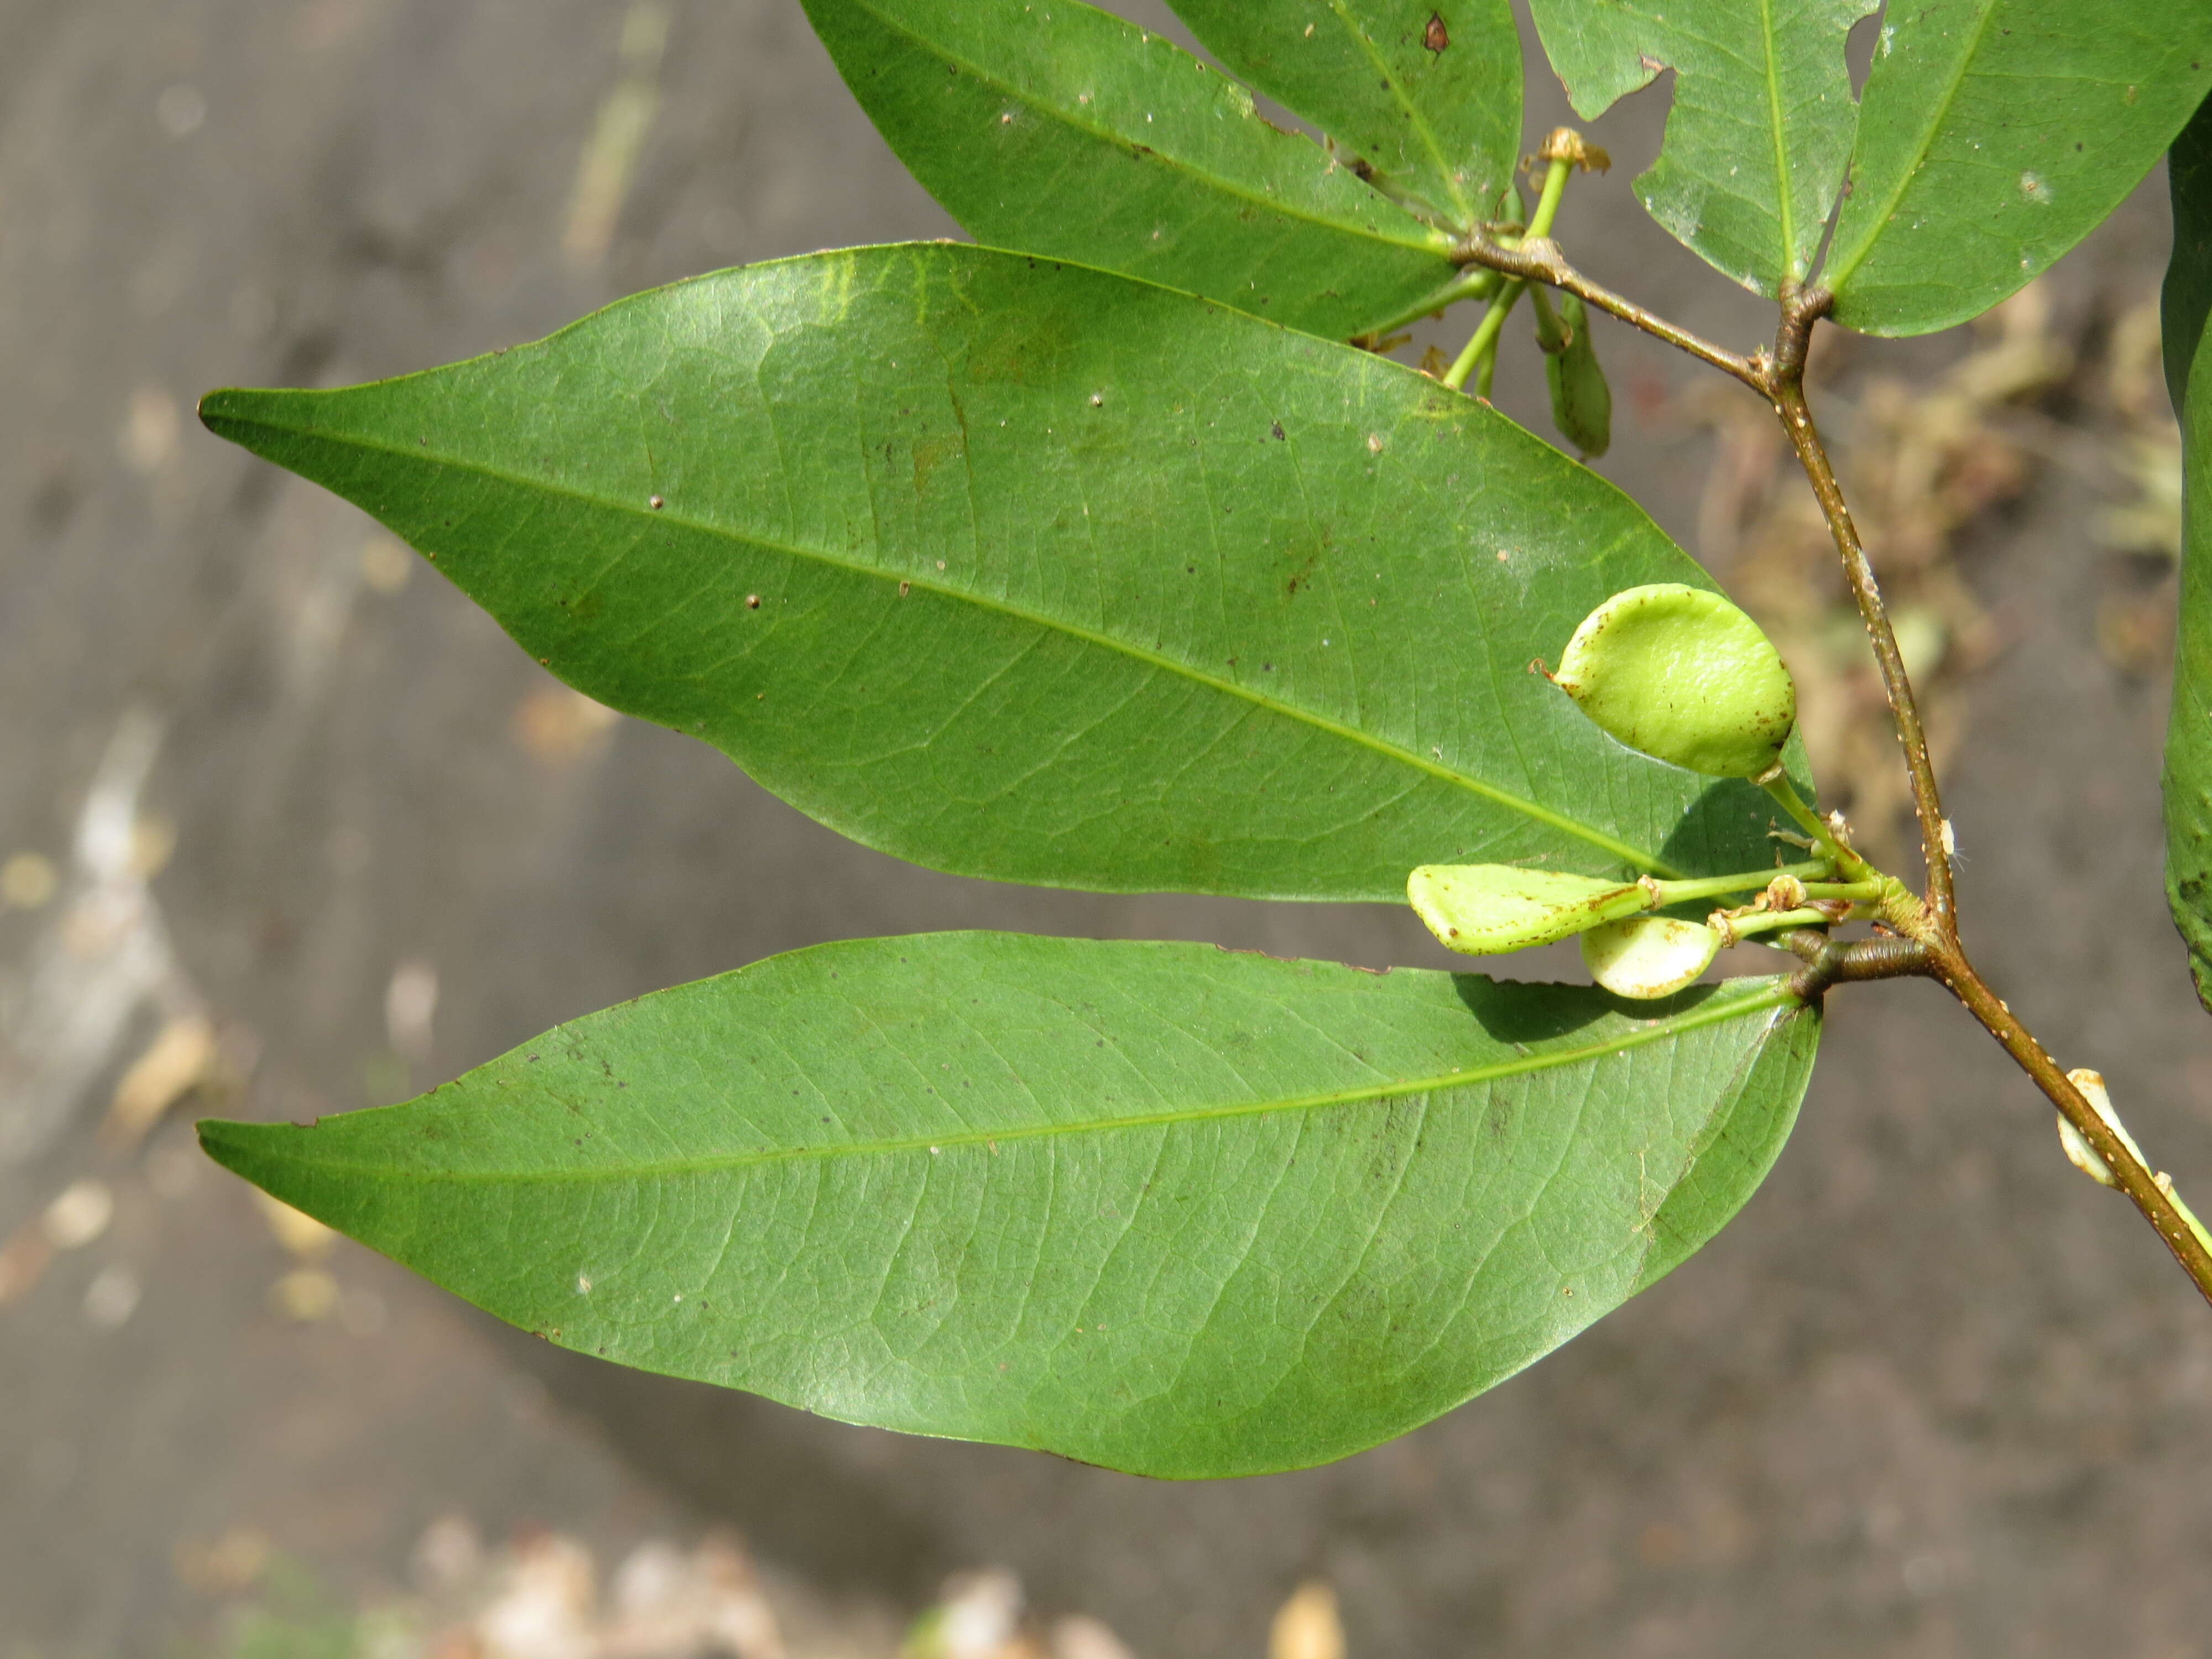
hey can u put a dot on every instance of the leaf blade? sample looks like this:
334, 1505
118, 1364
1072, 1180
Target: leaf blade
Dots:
2186, 785
1106, 587
1761, 127
2185, 298
1069, 132
1993, 136
1132, 1161
1433, 107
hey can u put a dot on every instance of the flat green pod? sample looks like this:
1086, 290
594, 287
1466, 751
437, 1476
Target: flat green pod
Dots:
1484, 909
1681, 675
1649, 956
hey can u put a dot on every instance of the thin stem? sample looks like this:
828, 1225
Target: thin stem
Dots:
1786, 387
1832, 962
1697, 887
1823, 833
2129, 1173
1538, 260
1555, 189
1469, 285
1483, 348
1932, 928
1926, 941
1858, 892
1484, 337
1741, 927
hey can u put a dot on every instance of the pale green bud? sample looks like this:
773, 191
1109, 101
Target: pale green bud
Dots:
1484, 909
1647, 957
1682, 675
1581, 403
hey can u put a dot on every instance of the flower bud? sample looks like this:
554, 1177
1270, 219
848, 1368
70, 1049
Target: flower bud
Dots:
1681, 675
1581, 403
1483, 909
1647, 957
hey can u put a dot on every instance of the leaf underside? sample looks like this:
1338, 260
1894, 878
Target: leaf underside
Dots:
1162, 1207
2188, 780
1032, 572
1062, 130
1995, 134
1760, 129
1430, 103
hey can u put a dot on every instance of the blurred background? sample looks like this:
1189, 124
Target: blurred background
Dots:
287, 827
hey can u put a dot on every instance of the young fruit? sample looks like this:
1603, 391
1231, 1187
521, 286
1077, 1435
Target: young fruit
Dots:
1581, 403
1647, 957
1682, 675
1484, 909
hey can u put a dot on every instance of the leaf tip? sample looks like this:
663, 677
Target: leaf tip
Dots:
241, 1148
222, 411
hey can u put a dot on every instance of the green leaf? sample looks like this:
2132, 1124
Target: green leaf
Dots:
1430, 104
1760, 129
2187, 296
1995, 134
1032, 572
2188, 781
1062, 130
1164, 1207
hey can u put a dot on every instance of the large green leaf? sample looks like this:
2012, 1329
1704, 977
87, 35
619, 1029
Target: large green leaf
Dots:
2188, 781
1760, 131
1995, 134
1428, 98
2186, 300
1062, 130
1160, 1206
1033, 572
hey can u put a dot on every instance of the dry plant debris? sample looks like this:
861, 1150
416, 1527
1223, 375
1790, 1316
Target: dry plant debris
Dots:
544, 1595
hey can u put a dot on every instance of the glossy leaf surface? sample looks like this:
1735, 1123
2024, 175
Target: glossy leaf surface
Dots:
1035, 573
1427, 97
1062, 130
2188, 780
1158, 1207
1995, 134
2186, 298
1760, 131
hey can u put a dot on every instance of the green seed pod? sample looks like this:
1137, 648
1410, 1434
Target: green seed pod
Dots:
1484, 909
1682, 675
1647, 957
1581, 403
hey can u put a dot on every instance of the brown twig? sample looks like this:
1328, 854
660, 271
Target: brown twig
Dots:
1784, 377
1926, 941
1539, 260
1834, 962
1950, 967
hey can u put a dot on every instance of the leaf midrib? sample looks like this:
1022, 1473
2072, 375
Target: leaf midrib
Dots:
424, 457
1722, 1006
1786, 207
1938, 113
1432, 242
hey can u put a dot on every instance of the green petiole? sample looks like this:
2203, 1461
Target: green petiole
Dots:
1740, 928
1483, 347
1479, 283
1679, 892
